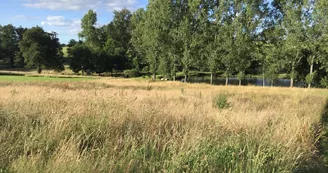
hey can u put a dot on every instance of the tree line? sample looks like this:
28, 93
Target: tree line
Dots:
31, 48
222, 37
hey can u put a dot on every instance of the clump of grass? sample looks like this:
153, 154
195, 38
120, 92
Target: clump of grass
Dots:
182, 91
221, 101
149, 87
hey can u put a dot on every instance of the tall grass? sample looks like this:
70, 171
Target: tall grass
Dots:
123, 126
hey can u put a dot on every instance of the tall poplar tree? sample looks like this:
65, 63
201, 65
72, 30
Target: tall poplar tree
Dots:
293, 44
155, 31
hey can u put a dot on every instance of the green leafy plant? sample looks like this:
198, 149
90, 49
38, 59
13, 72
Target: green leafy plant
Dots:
221, 101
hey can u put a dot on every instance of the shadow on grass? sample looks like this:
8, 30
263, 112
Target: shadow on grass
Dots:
11, 74
69, 85
323, 142
320, 163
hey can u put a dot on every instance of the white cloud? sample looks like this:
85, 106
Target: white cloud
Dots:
81, 4
119, 4
63, 25
21, 17
62, 4
56, 21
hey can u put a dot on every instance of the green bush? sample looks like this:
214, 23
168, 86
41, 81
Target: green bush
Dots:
131, 73
221, 101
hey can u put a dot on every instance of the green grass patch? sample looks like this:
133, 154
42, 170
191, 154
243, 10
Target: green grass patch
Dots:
65, 51
221, 101
9, 78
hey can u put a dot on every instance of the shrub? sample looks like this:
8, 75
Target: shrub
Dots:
221, 101
131, 73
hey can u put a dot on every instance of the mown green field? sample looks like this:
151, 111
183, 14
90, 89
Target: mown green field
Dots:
41, 78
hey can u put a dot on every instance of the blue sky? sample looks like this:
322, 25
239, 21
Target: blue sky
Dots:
61, 16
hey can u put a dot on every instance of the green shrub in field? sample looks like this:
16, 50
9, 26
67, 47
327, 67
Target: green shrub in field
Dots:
131, 73
221, 101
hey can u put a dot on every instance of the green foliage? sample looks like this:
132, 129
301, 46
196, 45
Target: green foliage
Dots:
8, 43
152, 26
9, 48
41, 50
81, 58
121, 32
71, 43
131, 73
105, 48
221, 101
182, 90
324, 82
310, 77
89, 32
236, 38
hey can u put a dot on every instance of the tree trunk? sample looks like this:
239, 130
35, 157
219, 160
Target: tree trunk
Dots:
154, 76
291, 82
174, 69
227, 81
263, 76
240, 77
263, 80
185, 78
211, 78
311, 71
292, 75
12, 63
272, 83
39, 69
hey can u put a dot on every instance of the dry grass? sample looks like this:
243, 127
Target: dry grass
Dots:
117, 125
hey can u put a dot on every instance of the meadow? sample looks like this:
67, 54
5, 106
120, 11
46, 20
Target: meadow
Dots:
125, 125
8, 78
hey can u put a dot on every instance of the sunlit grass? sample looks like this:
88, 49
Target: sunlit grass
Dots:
121, 125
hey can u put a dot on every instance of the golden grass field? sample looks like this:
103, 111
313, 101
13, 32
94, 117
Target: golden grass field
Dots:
121, 125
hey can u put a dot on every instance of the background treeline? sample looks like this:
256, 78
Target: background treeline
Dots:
30, 48
221, 37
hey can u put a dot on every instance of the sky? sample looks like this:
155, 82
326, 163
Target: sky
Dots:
61, 16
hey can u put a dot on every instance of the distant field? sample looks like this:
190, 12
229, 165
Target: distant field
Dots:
41, 78
65, 52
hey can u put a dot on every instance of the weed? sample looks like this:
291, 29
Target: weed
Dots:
182, 90
221, 101
149, 87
